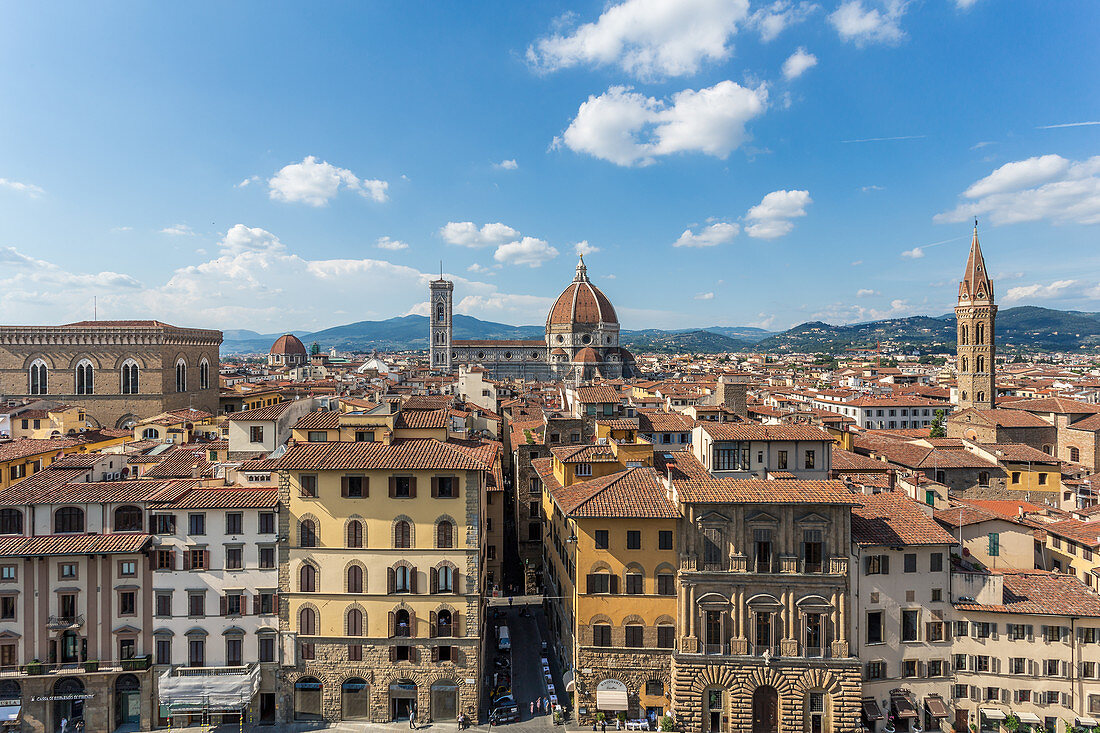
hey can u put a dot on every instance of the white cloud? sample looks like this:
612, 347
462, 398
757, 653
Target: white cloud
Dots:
1007, 276
704, 296
1089, 123
510, 307
28, 188
863, 25
771, 20
1047, 187
914, 254
646, 38
506, 165
315, 184
240, 239
466, 234
798, 62
866, 293
391, 244
584, 248
122, 229
247, 182
840, 313
178, 230
872, 187
771, 218
527, 251
965, 4
1037, 291
629, 128
480, 269
709, 236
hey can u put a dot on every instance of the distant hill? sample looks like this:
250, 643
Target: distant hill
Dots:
1026, 328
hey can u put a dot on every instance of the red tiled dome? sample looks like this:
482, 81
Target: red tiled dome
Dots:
581, 302
587, 355
288, 345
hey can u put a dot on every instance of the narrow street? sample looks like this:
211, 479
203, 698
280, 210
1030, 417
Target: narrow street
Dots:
528, 682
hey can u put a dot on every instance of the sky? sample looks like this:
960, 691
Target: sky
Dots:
278, 166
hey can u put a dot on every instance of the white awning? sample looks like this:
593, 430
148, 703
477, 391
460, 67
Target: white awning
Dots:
568, 678
611, 700
1087, 722
993, 713
1029, 718
9, 713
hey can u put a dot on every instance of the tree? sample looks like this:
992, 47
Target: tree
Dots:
315, 349
939, 425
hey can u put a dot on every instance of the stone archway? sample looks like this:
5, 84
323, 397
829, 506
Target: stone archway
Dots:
765, 710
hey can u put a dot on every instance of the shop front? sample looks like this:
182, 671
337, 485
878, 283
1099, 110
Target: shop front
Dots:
402, 699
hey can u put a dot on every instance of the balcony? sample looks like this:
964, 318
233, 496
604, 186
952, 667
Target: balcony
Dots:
64, 623
90, 666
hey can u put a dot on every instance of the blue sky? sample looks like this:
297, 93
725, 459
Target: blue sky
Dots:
297, 166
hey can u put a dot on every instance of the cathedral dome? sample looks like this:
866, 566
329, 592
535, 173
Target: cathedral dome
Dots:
288, 345
587, 355
581, 302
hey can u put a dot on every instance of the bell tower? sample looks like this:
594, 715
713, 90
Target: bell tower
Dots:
976, 314
440, 298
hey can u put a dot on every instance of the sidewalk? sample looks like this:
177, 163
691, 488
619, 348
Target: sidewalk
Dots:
352, 727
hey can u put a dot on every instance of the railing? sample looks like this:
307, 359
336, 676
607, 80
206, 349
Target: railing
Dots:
444, 630
65, 622
715, 566
715, 649
130, 664
181, 671
402, 631
758, 650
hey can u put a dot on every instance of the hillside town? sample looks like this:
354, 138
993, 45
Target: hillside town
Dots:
494, 532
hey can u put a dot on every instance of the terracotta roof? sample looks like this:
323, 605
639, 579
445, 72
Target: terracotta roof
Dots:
1090, 423
258, 464
427, 402
116, 324
73, 544
581, 302
1000, 417
1041, 592
893, 519
419, 454
271, 412
1018, 453
79, 460
1059, 405
694, 484
321, 420
664, 422
422, 419
182, 463
845, 461
620, 423
633, 493
963, 515
288, 344
585, 454
1083, 533
753, 431
598, 393
227, 498
26, 447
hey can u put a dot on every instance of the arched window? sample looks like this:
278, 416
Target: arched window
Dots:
962, 335
129, 377
402, 534
307, 622
11, 521
981, 397
981, 365
128, 519
307, 579
355, 533
204, 374
446, 579
963, 365
1075, 454
181, 376
307, 533
355, 579
440, 312
85, 377
980, 338
150, 434
402, 623
68, 519
355, 622
443, 623
444, 534
38, 377
401, 579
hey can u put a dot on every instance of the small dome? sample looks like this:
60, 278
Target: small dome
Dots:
559, 352
288, 345
581, 302
587, 355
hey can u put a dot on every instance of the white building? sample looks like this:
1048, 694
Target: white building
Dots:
264, 429
884, 413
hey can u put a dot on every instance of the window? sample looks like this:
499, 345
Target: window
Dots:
164, 523
812, 544
994, 544
810, 459
1051, 667
127, 568
634, 583
402, 487
9, 573
402, 534
935, 562
196, 524
1075, 454
533, 510
267, 557
445, 487
1015, 477
308, 483
876, 670
67, 570
196, 604
666, 637
7, 607
983, 478
599, 582
355, 533
666, 584
633, 539
401, 579
601, 635
234, 523
11, 521
981, 663
446, 579
1042, 479
910, 562
38, 379
128, 519
127, 603
875, 627
69, 519
934, 631
937, 594
601, 539
634, 636
935, 668
307, 579
164, 604
353, 487
181, 376
909, 668
267, 648
163, 650
267, 522
983, 629
584, 469
1017, 665
364, 436
267, 602
355, 579
256, 433
876, 565
781, 460
233, 604
85, 378
664, 539
234, 558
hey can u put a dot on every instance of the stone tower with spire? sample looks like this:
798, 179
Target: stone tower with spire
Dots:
976, 350
440, 302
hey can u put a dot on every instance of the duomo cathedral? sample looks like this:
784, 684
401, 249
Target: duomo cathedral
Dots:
582, 339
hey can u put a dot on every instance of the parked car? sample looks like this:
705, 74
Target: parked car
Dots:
504, 710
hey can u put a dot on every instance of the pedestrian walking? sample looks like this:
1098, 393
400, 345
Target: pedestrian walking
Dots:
603, 726
546, 703
532, 708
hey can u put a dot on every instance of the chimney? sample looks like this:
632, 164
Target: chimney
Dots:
892, 479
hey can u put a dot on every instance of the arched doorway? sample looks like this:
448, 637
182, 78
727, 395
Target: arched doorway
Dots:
765, 710
128, 701
714, 705
307, 699
444, 701
68, 703
354, 699
402, 699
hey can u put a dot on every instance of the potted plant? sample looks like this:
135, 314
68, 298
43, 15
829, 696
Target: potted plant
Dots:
91, 665
600, 717
559, 719
621, 715
35, 667
1011, 723
666, 723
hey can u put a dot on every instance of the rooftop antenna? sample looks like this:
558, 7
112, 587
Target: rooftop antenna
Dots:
441, 261
95, 309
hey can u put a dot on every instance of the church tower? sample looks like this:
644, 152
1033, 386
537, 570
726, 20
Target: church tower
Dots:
976, 314
441, 295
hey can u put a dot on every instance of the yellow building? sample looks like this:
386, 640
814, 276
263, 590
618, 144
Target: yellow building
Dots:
610, 547
49, 422
379, 581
